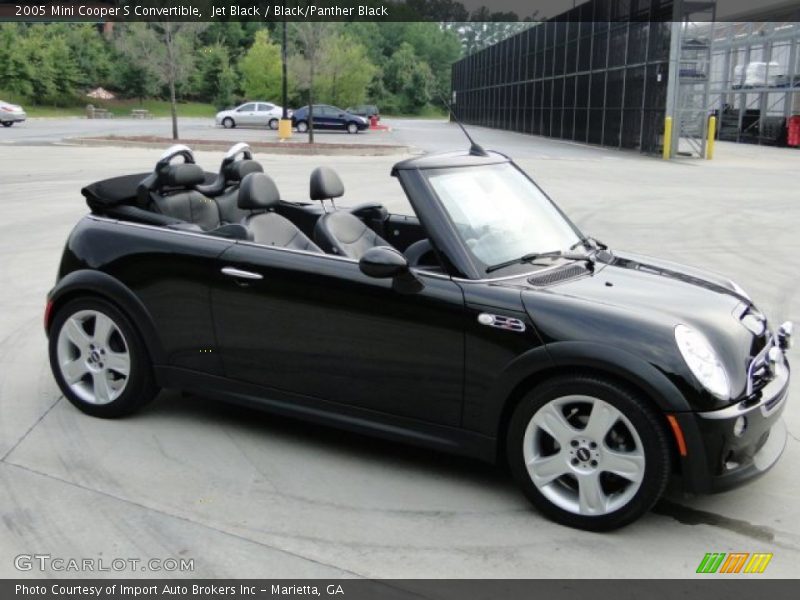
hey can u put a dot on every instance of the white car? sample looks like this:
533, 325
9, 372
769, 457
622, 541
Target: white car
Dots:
11, 113
258, 114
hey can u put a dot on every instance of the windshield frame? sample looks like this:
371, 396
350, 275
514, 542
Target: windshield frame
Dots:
478, 266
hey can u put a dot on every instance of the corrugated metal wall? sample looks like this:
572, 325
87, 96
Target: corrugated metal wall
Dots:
589, 75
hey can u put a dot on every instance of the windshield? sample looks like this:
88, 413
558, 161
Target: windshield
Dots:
500, 214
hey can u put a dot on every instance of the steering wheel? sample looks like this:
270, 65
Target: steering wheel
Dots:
417, 251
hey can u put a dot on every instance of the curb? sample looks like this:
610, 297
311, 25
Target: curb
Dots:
264, 148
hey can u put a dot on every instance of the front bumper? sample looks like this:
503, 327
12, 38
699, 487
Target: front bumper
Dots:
719, 456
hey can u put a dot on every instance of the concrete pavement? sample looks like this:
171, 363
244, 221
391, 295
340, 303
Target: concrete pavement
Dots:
251, 494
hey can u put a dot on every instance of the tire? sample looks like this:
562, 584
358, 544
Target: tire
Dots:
228, 123
605, 430
90, 367
302, 127
273, 124
352, 127
8, 123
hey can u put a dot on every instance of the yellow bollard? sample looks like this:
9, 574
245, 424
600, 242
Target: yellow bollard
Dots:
667, 137
284, 129
712, 133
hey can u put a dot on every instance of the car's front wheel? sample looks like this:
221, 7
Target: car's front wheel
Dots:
273, 123
302, 127
352, 127
8, 123
588, 452
228, 123
99, 360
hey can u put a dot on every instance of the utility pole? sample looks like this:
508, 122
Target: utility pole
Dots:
285, 125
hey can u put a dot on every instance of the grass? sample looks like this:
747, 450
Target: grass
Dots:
119, 108
429, 112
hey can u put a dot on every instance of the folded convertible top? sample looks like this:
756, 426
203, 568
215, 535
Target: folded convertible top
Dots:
112, 192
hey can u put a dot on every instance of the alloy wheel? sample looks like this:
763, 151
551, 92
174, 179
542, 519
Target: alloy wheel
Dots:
93, 357
584, 455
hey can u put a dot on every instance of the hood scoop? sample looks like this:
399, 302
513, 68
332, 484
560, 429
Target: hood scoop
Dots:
562, 273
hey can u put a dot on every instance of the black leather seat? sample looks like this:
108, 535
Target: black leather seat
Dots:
339, 232
176, 197
228, 197
258, 192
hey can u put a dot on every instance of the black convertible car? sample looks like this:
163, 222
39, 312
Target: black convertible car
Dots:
486, 325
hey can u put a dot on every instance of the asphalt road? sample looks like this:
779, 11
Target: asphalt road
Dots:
251, 494
428, 135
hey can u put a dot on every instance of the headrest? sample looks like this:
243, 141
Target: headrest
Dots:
183, 175
325, 183
258, 191
237, 171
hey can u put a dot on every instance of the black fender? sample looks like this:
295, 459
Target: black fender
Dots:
623, 365
619, 363
98, 283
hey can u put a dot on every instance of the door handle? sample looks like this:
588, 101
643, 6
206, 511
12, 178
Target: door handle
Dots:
239, 274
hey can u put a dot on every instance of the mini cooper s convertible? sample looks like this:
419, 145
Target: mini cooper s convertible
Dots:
486, 325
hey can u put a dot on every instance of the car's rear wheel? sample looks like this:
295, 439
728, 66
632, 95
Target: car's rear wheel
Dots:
8, 123
228, 123
352, 127
588, 452
273, 123
302, 126
99, 360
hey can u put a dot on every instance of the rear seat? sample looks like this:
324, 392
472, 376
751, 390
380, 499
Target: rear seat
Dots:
229, 210
175, 196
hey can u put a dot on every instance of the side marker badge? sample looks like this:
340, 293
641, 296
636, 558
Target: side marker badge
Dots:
501, 322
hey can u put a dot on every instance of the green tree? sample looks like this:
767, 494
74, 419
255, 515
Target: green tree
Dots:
165, 50
16, 69
308, 41
93, 55
260, 68
215, 78
344, 71
408, 79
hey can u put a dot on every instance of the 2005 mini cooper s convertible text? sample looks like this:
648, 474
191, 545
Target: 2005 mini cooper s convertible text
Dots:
486, 325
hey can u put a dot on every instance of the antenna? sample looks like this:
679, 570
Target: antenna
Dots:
475, 149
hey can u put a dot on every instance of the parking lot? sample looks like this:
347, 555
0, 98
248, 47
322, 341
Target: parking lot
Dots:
251, 494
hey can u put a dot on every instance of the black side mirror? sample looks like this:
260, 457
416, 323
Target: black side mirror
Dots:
383, 262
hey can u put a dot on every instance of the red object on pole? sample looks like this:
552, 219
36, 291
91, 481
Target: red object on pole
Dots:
373, 121
793, 131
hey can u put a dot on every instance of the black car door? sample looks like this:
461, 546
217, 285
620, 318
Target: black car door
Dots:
313, 324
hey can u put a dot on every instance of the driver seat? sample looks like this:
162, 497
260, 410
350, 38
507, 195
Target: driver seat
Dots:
339, 232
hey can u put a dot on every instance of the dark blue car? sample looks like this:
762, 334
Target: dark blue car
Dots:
328, 117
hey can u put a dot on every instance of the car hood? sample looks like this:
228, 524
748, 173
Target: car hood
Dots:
14, 107
634, 302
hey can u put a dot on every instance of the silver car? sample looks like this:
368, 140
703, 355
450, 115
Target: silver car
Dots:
11, 113
258, 114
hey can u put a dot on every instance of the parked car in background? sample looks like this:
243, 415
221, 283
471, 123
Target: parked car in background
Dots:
252, 114
328, 117
365, 110
11, 113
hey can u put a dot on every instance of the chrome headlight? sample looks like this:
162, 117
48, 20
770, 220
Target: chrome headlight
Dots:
703, 361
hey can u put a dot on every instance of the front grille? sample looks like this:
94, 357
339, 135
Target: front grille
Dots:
558, 274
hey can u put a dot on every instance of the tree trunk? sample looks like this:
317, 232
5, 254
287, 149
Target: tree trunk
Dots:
311, 103
173, 107
171, 80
